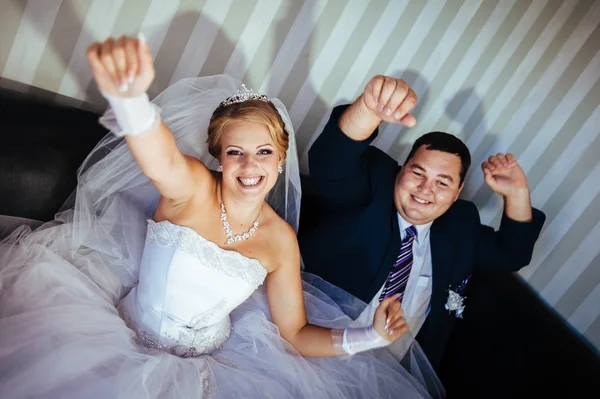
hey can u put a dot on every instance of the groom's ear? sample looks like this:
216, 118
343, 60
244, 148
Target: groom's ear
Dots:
459, 190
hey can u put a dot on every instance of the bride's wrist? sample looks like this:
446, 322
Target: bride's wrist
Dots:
354, 340
135, 116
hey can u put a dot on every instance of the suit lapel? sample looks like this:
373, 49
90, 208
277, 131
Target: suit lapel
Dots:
441, 259
390, 255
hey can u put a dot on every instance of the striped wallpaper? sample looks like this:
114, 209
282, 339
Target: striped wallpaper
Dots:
504, 75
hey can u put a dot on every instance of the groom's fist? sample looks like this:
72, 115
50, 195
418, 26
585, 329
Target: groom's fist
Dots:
122, 67
390, 99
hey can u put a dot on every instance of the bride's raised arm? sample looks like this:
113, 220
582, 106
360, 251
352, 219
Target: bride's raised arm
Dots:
124, 70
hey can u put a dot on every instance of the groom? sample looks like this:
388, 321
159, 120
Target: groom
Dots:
377, 229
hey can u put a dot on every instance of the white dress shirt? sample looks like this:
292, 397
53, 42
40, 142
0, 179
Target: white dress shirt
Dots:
417, 295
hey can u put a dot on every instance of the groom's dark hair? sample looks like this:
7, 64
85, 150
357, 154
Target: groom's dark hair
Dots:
446, 142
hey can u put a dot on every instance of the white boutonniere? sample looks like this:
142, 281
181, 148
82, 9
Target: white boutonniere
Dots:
456, 300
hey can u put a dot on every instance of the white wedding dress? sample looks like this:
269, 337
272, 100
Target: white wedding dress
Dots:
104, 302
188, 287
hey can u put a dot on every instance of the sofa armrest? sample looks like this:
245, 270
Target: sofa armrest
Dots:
8, 224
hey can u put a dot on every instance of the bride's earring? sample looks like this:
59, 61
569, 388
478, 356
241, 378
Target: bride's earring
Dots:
220, 168
280, 169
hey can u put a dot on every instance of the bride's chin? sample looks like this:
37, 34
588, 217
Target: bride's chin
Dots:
243, 194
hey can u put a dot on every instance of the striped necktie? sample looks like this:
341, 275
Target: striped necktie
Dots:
398, 277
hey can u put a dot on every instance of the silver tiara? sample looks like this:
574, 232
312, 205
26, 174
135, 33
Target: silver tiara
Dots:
244, 94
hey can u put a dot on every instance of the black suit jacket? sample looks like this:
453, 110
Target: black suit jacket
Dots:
351, 237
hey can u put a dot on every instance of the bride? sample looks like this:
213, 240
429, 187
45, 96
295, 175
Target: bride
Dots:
169, 280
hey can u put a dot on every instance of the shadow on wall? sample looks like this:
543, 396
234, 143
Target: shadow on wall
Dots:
468, 125
298, 83
173, 46
62, 41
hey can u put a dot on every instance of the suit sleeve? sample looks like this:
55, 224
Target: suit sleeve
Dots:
511, 247
339, 166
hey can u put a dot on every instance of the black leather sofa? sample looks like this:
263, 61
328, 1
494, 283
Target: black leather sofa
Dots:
41, 147
509, 344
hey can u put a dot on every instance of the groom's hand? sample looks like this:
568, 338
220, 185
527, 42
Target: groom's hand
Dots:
384, 99
505, 176
390, 100
389, 321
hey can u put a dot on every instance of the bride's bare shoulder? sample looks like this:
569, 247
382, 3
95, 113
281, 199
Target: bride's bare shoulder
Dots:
283, 241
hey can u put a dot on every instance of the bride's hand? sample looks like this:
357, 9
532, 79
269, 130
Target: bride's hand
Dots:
122, 67
389, 321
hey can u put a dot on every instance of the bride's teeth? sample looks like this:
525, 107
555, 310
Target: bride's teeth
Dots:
250, 182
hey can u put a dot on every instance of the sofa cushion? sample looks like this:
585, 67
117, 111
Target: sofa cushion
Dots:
511, 344
41, 146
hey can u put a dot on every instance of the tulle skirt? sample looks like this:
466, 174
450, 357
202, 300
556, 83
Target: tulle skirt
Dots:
61, 336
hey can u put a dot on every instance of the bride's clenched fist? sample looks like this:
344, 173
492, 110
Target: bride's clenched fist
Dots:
122, 67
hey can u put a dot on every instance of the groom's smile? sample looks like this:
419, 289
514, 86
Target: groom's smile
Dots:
420, 200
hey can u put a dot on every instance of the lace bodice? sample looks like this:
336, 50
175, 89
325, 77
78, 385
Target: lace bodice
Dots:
186, 290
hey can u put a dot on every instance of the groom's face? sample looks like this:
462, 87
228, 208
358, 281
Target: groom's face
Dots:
427, 185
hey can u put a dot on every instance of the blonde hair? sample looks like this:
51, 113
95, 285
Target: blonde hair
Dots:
250, 111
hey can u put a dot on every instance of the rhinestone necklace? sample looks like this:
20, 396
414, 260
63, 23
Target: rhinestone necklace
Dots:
231, 238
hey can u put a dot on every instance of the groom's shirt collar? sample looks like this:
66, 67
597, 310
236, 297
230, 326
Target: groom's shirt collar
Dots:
422, 229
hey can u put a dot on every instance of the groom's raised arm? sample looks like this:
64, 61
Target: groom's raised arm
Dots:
511, 247
340, 159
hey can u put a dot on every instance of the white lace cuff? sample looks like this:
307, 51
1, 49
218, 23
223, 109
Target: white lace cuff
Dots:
353, 340
131, 116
